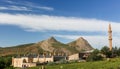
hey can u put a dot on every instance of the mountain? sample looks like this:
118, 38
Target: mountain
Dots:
52, 45
81, 44
48, 45
19, 49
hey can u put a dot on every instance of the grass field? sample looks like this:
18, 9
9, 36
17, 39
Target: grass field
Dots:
111, 64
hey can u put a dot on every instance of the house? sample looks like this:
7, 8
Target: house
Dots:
78, 56
30, 61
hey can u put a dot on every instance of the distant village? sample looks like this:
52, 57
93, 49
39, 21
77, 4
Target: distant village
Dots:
31, 61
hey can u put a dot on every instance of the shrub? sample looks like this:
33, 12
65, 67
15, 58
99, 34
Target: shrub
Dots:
51, 63
63, 61
5, 62
94, 56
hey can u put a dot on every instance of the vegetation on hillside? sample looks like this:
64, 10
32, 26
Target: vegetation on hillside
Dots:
20, 49
65, 46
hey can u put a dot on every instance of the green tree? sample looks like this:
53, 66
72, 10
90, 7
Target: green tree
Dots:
105, 50
5, 62
118, 52
2, 63
95, 56
115, 52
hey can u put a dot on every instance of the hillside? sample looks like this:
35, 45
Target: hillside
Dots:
20, 49
52, 45
48, 45
80, 44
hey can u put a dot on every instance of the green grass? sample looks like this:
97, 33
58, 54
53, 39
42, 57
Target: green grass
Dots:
112, 64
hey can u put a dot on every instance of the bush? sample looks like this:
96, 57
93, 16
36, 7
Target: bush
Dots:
51, 63
105, 50
63, 61
95, 56
5, 62
73, 61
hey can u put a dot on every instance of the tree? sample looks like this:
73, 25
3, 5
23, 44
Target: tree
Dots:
115, 52
5, 62
2, 63
118, 53
105, 50
95, 56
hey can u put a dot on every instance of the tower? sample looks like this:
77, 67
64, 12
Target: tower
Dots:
110, 37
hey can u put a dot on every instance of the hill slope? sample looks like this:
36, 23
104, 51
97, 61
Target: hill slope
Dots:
52, 45
49, 45
81, 44
20, 49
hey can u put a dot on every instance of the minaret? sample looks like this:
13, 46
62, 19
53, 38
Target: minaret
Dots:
110, 37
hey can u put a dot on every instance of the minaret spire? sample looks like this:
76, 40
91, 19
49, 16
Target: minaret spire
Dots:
110, 37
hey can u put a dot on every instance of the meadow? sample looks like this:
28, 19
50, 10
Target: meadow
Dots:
106, 64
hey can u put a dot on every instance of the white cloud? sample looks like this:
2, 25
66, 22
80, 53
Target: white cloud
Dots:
45, 8
8, 1
3, 8
31, 5
18, 8
46, 22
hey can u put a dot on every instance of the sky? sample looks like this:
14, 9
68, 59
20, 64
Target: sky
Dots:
31, 21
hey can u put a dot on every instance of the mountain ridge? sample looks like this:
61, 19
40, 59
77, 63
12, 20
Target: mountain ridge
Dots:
48, 45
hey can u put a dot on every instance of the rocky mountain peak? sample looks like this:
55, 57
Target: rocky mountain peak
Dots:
80, 38
81, 44
51, 39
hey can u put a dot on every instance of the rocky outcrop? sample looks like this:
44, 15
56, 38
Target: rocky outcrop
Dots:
81, 44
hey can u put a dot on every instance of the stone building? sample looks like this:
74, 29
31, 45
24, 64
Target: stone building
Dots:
74, 57
81, 55
30, 61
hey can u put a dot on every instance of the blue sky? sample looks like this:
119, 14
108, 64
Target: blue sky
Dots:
28, 21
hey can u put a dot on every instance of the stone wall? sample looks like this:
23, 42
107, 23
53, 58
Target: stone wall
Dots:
41, 60
28, 64
19, 62
73, 57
